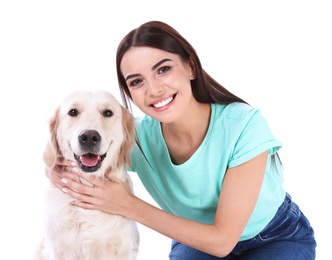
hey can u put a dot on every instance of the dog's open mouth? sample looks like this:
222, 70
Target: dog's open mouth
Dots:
89, 162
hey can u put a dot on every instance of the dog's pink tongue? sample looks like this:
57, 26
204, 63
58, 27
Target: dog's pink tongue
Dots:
90, 159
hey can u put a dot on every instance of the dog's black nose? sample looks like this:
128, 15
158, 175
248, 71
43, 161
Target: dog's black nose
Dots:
89, 139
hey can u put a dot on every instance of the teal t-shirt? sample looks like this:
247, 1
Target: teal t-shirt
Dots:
237, 133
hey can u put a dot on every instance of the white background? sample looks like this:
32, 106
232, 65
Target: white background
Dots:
274, 54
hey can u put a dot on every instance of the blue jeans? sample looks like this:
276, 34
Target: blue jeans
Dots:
288, 236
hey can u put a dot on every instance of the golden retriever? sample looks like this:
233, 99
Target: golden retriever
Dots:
93, 129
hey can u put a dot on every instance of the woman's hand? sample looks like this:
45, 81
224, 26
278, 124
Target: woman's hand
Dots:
102, 194
110, 196
62, 169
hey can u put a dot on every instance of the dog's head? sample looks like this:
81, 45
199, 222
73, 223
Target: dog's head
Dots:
93, 129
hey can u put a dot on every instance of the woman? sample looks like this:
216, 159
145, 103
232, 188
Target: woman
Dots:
207, 158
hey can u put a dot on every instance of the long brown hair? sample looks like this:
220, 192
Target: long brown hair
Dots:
161, 36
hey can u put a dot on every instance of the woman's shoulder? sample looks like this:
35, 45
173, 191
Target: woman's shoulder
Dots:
146, 125
235, 110
145, 120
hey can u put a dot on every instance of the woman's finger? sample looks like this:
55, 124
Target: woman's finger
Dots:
76, 186
83, 204
66, 165
92, 179
63, 162
82, 195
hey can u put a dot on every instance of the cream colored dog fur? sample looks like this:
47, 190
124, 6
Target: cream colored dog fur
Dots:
93, 129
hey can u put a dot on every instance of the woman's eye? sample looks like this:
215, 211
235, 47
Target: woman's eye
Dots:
164, 69
135, 82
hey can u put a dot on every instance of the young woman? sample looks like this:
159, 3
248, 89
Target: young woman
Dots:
207, 158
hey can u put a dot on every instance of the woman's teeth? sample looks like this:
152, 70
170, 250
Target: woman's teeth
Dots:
163, 103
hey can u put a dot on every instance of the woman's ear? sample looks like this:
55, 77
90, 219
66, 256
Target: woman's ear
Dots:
192, 69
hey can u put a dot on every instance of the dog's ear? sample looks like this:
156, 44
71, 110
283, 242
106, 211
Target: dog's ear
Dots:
128, 124
52, 148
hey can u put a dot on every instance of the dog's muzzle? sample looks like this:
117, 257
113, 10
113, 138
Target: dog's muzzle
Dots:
90, 160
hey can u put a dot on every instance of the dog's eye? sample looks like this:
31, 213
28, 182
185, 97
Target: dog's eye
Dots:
107, 113
73, 112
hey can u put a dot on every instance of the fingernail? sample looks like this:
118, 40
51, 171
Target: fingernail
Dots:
64, 190
75, 169
64, 181
73, 163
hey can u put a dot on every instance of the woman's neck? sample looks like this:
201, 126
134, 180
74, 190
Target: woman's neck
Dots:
184, 136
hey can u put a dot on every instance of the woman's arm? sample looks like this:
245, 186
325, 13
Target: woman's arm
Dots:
237, 200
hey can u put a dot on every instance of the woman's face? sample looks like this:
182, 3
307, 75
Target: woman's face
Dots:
159, 82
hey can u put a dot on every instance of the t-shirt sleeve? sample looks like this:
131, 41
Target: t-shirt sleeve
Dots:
254, 137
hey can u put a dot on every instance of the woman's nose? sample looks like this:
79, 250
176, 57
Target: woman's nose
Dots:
155, 88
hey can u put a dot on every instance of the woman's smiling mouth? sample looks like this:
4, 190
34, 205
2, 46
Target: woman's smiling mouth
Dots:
164, 102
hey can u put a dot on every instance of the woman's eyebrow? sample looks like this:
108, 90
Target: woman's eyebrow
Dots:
153, 68
132, 76
159, 63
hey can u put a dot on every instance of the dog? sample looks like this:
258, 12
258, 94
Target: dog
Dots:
94, 130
